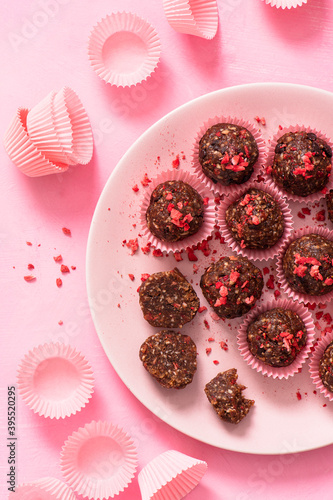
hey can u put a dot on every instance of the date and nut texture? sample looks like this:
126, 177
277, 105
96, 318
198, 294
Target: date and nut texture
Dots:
329, 204
275, 337
170, 358
308, 265
232, 285
227, 153
176, 210
226, 397
302, 163
326, 367
168, 300
255, 220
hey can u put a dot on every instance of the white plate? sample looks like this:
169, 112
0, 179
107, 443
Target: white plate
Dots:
279, 422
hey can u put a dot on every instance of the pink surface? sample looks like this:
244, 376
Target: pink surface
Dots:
43, 46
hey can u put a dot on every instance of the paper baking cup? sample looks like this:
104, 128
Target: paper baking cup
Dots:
271, 371
170, 476
99, 460
254, 254
217, 187
22, 151
193, 17
285, 4
270, 157
55, 380
47, 488
124, 49
301, 297
314, 365
209, 212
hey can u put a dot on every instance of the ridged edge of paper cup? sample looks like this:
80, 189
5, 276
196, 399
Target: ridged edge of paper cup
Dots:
123, 22
285, 4
84, 443
271, 371
44, 357
56, 490
170, 475
254, 254
205, 230
301, 297
217, 187
199, 18
314, 365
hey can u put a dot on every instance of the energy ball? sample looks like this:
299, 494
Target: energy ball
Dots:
326, 367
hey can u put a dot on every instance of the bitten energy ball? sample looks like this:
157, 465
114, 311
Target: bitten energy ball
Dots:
170, 357
168, 300
329, 204
275, 337
308, 266
232, 285
255, 220
176, 210
302, 163
227, 153
226, 397
326, 367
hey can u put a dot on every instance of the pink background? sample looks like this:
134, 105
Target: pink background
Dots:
43, 46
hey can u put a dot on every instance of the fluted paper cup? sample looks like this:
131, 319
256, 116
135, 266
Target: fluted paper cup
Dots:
55, 380
314, 365
192, 17
124, 49
47, 488
99, 460
170, 476
285, 4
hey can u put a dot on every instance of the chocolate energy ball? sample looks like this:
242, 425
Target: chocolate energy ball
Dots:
329, 204
170, 358
168, 300
276, 337
227, 153
232, 285
326, 367
226, 397
302, 163
307, 265
255, 220
176, 210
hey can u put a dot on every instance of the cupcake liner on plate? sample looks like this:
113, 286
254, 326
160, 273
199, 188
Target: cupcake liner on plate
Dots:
209, 212
254, 254
170, 476
99, 460
124, 49
301, 297
55, 380
192, 17
314, 365
285, 4
271, 371
47, 488
217, 187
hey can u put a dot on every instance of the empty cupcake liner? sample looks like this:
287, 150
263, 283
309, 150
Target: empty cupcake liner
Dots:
254, 254
99, 460
270, 157
192, 17
47, 488
209, 212
55, 380
314, 365
23, 152
301, 297
217, 187
170, 476
124, 49
285, 4
271, 371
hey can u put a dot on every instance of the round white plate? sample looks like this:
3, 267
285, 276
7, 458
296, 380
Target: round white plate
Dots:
279, 422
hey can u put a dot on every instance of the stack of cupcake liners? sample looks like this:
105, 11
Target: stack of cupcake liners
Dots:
192, 17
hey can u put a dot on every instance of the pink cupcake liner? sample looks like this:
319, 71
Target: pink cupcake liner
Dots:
99, 460
254, 254
23, 152
55, 380
217, 187
124, 49
314, 365
301, 297
170, 476
270, 157
271, 371
285, 4
47, 488
192, 17
209, 212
